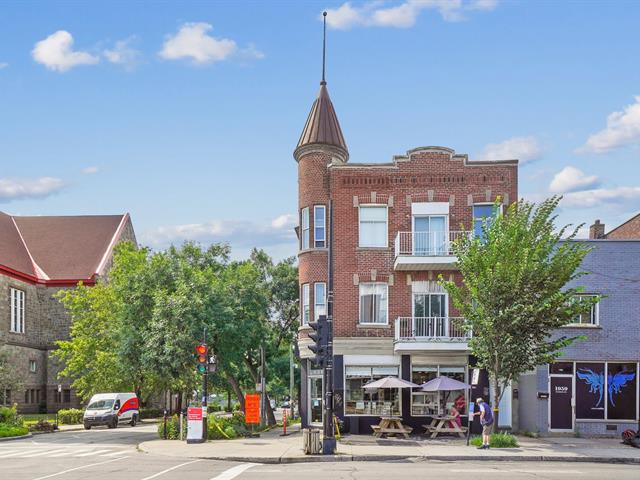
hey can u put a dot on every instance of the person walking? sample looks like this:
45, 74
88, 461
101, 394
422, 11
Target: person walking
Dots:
486, 420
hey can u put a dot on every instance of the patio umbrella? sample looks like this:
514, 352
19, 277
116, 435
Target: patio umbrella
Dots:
389, 382
444, 384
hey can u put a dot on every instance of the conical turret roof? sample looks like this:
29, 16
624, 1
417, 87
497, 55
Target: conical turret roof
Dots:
322, 127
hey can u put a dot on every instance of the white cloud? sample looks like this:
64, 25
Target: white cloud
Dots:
56, 53
623, 128
3, 65
619, 196
123, 54
571, 179
238, 233
12, 189
193, 42
251, 53
403, 15
90, 170
525, 149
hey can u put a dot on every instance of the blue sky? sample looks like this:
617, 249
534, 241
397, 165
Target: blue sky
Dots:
186, 115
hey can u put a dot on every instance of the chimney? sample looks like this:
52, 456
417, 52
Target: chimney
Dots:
596, 230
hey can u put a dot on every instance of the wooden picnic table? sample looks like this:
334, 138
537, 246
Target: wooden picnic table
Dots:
445, 424
391, 426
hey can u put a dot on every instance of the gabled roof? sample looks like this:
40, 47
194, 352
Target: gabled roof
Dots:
322, 127
58, 249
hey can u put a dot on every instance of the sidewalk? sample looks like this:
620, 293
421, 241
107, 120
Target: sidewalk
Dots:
273, 448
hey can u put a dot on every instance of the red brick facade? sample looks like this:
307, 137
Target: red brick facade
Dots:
430, 174
628, 230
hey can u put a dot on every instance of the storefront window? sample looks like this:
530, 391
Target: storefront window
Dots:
621, 391
590, 390
359, 401
315, 399
437, 403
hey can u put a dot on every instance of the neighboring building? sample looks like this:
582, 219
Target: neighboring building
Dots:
393, 227
627, 231
39, 256
593, 387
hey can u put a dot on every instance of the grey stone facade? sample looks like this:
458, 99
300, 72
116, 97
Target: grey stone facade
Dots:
46, 322
614, 273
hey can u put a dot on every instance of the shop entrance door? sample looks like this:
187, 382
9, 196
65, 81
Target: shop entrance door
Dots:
315, 400
561, 403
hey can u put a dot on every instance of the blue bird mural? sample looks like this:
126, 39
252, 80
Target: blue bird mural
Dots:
617, 381
595, 382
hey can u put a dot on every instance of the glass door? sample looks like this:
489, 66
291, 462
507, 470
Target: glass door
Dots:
315, 400
430, 314
429, 235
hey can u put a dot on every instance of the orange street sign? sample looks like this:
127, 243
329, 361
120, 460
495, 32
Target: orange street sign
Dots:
252, 408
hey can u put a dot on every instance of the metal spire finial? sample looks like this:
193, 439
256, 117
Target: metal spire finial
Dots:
324, 44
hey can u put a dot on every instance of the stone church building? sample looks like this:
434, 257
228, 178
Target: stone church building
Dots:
39, 256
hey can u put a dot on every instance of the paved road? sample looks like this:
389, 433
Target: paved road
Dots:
102, 454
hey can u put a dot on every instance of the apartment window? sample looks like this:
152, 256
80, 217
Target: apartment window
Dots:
319, 300
5, 397
33, 366
17, 310
319, 226
373, 226
361, 401
483, 213
373, 303
305, 228
591, 316
67, 395
305, 303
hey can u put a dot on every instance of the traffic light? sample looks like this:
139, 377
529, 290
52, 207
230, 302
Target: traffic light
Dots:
320, 337
201, 358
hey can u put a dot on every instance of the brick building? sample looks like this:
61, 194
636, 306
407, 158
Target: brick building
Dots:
593, 387
38, 257
393, 224
626, 231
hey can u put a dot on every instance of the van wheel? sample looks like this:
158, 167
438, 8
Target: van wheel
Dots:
114, 423
134, 420
87, 427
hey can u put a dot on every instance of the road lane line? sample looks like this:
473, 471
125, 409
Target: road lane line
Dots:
93, 452
69, 452
233, 472
6, 452
79, 468
21, 452
169, 469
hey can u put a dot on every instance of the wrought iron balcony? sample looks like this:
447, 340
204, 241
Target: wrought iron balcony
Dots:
430, 333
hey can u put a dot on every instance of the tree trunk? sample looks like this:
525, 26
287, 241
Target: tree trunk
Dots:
496, 402
235, 386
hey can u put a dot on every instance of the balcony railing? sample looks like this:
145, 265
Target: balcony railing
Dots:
431, 328
427, 244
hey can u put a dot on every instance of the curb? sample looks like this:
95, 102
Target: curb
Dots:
21, 437
423, 458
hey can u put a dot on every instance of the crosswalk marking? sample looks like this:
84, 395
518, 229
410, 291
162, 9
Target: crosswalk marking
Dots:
93, 452
59, 451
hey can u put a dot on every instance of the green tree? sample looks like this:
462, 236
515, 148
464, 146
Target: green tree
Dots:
9, 381
514, 295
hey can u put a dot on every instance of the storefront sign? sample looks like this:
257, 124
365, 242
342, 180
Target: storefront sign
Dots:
252, 408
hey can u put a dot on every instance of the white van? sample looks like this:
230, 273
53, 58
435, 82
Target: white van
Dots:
110, 409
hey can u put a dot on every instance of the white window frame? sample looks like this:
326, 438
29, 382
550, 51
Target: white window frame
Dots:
596, 313
386, 286
323, 303
437, 366
323, 239
17, 303
483, 204
371, 366
33, 366
386, 222
304, 297
304, 228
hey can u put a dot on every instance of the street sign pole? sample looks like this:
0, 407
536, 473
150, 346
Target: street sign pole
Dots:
205, 392
329, 439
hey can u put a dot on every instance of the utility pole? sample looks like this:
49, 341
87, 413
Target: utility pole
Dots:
205, 394
291, 381
263, 396
329, 439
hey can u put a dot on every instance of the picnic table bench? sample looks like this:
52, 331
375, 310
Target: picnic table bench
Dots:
391, 426
445, 424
